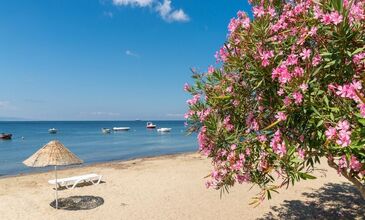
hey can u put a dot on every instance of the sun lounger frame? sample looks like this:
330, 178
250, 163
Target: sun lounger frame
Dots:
67, 182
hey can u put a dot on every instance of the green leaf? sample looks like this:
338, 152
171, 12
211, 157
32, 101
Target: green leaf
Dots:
315, 110
358, 50
222, 97
306, 176
330, 64
362, 121
326, 100
332, 117
319, 123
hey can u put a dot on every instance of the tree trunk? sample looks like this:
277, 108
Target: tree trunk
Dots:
350, 178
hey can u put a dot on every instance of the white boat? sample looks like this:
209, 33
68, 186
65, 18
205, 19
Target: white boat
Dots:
164, 129
52, 131
121, 128
150, 125
106, 130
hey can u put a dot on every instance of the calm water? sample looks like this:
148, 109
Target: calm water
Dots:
86, 140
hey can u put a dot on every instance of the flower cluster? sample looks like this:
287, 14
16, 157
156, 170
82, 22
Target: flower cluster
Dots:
287, 89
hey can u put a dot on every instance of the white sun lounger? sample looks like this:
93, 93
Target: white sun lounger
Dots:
66, 182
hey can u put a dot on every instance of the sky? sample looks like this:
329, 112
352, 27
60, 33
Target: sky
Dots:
106, 59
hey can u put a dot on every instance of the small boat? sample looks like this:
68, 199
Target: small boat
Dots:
106, 130
150, 125
121, 128
5, 136
52, 131
164, 129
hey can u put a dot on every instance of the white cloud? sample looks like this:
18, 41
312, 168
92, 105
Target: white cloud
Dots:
130, 53
164, 9
168, 14
140, 3
178, 15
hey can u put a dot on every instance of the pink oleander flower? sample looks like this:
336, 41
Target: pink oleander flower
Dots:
301, 138
210, 69
304, 87
344, 138
330, 133
292, 60
280, 92
262, 138
298, 71
282, 73
332, 87
313, 31
258, 11
316, 60
287, 101
227, 123
326, 19
271, 11
343, 125
222, 54
236, 103
298, 97
301, 153
262, 165
355, 165
243, 178
335, 17
342, 163
186, 87
229, 89
265, 57
233, 24
194, 100
281, 149
189, 114
356, 85
305, 54
281, 116
357, 12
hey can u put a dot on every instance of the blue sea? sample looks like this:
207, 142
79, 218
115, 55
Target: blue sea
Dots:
85, 139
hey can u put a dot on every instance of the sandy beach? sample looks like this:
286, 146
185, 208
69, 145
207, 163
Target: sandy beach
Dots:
172, 187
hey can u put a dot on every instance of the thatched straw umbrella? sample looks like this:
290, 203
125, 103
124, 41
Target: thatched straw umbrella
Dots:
53, 154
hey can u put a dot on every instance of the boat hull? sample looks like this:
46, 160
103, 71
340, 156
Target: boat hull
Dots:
121, 129
6, 136
164, 129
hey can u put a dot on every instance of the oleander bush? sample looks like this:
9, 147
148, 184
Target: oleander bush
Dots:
288, 93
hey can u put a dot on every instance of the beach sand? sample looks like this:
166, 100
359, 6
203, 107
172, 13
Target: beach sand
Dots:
172, 187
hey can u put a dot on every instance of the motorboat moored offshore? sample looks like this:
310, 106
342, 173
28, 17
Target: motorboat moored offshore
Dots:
121, 128
52, 131
164, 129
150, 125
5, 136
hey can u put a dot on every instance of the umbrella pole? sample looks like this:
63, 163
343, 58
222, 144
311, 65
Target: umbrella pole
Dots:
55, 169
